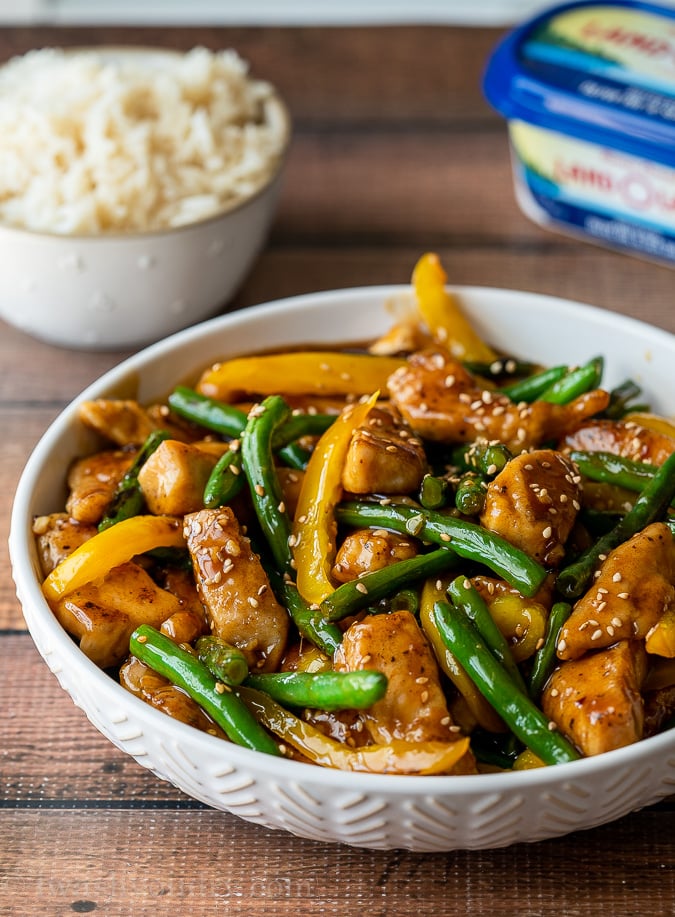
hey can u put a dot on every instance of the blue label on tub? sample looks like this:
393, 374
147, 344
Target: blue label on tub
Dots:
604, 225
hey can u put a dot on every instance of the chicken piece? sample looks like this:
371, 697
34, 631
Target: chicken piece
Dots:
234, 588
404, 336
124, 422
620, 437
636, 586
367, 550
93, 481
174, 476
103, 614
595, 701
414, 707
533, 504
384, 457
57, 536
142, 681
190, 621
443, 402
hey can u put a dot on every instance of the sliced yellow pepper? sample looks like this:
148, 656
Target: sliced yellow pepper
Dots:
653, 422
521, 621
110, 548
302, 373
526, 761
443, 315
395, 757
433, 591
660, 640
314, 528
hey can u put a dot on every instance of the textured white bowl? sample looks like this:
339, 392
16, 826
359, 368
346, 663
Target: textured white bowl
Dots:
385, 812
125, 290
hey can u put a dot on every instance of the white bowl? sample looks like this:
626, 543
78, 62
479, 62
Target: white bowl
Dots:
125, 290
366, 810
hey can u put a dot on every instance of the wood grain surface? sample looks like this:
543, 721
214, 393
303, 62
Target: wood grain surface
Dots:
394, 152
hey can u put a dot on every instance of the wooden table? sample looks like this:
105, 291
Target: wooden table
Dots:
395, 152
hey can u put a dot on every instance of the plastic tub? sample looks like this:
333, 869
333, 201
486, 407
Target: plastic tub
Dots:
588, 91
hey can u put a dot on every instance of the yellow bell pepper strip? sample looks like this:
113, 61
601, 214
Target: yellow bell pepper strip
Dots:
522, 622
653, 422
434, 590
395, 757
660, 640
314, 528
110, 548
302, 373
443, 315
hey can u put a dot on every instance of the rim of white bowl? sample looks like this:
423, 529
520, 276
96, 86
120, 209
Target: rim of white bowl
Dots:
37, 611
275, 99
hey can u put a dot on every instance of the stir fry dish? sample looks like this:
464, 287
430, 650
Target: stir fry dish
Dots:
418, 555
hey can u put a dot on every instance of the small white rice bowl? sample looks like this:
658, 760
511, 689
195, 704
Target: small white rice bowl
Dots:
136, 187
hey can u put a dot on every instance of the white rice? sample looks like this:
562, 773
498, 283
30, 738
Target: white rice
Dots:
100, 142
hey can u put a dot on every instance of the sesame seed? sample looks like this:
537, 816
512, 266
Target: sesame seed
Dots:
610, 630
282, 507
260, 490
366, 659
362, 588
596, 634
446, 721
617, 622
142, 639
623, 595
548, 531
282, 748
253, 602
422, 680
444, 536
562, 646
616, 578
424, 696
219, 687
554, 692
552, 726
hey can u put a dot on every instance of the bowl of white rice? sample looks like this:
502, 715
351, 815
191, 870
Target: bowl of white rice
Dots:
137, 187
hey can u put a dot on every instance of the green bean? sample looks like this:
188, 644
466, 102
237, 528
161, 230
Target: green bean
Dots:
487, 458
405, 600
226, 662
322, 690
351, 597
650, 505
467, 597
530, 389
225, 481
467, 539
545, 657
128, 499
515, 707
184, 670
575, 383
230, 421
310, 624
607, 468
470, 493
263, 482
433, 492
620, 398
207, 412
